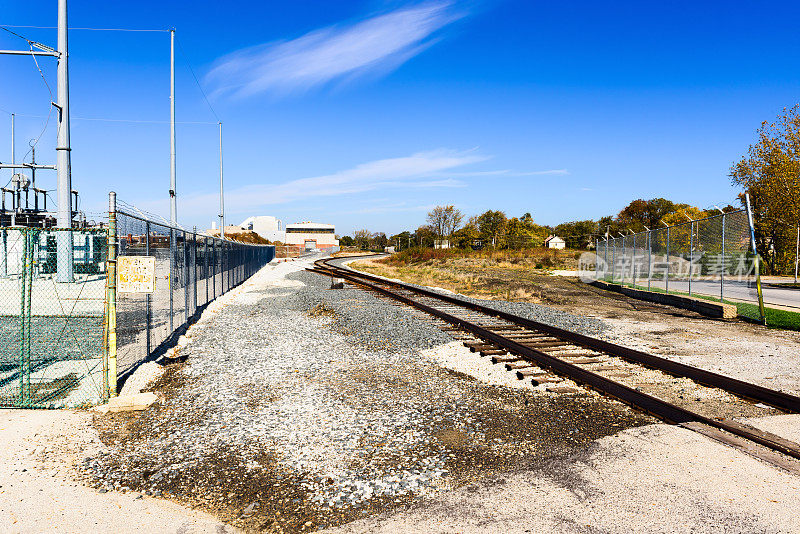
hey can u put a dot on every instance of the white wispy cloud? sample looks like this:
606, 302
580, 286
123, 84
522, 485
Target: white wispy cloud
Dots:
377, 44
414, 171
510, 172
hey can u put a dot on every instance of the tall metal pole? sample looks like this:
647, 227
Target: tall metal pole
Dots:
724, 264
796, 253
221, 194
756, 260
691, 256
64, 241
173, 208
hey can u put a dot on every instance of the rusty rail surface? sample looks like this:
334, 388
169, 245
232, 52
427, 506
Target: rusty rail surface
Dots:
659, 408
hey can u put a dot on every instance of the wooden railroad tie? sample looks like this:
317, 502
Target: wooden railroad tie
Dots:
531, 371
505, 359
545, 379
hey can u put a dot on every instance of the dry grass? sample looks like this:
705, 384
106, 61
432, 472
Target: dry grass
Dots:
537, 258
512, 275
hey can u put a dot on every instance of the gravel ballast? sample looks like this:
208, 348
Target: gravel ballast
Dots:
300, 407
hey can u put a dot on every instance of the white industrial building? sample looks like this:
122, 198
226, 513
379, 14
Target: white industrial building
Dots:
266, 226
310, 235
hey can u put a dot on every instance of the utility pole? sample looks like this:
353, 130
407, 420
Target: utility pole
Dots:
64, 194
173, 208
221, 191
64, 171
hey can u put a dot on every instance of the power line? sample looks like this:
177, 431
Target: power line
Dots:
85, 29
104, 119
188, 63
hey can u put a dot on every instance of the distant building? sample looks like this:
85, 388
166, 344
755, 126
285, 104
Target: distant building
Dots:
266, 226
310, 236
389, 250
554, 242
441, 243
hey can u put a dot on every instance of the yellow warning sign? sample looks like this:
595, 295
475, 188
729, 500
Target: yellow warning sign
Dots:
137, 274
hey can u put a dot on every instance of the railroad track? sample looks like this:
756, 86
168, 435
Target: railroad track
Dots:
546, 355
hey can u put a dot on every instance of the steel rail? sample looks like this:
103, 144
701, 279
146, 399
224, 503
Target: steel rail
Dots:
659, 408
741, 388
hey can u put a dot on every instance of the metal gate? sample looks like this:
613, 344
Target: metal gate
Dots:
52, 333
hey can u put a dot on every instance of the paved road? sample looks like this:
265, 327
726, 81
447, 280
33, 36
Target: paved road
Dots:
734, 290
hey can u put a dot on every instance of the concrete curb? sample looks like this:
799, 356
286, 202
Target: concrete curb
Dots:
704, 307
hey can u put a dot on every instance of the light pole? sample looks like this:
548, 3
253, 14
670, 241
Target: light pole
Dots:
221, 194
63, 161
173, 208
64, 180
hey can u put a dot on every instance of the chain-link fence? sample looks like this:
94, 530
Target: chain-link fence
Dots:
190, 270
52, 317
707, 258
67, 333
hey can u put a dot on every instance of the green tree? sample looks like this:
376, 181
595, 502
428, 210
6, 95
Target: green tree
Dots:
361, 238
492, 227
578, 234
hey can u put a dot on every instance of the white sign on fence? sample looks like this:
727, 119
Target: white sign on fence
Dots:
137, 274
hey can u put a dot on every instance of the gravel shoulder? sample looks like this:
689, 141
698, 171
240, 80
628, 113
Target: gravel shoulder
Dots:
301, 407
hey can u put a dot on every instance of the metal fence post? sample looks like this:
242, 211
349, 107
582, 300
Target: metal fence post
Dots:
186, 275
194, 270
724, 264
761, 309
171, 284
111, 296
147, 311
691, 255
633, 265
649, 258
24, 354
596, 259
605, 268
613, 258
205, 265
622, 281
666, 284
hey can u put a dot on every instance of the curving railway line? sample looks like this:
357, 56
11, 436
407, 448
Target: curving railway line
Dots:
545, 354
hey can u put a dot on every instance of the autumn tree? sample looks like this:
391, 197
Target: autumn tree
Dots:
770, 173
492, 226
444, 220
645, 213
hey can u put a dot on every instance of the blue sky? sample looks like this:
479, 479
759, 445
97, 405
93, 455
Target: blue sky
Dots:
367, 113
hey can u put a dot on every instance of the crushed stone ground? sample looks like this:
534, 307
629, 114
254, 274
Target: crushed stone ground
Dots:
286, 418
